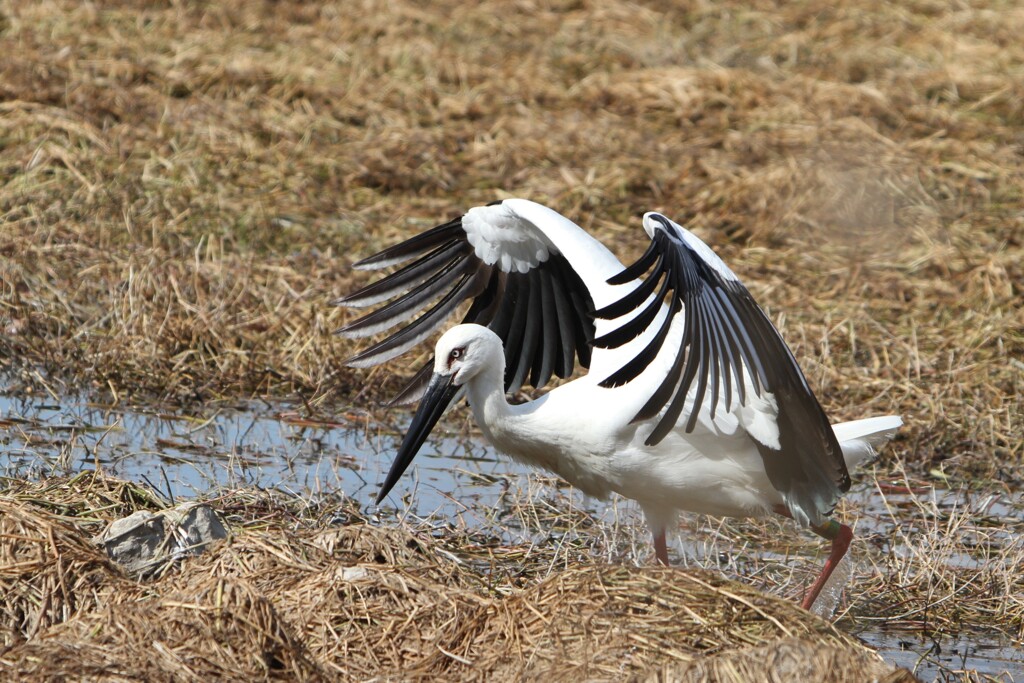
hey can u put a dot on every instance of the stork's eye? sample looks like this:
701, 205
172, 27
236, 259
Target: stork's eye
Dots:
455, 355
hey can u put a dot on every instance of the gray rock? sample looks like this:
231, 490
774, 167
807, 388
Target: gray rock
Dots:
146, 543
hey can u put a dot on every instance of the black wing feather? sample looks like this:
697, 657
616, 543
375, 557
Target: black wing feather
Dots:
418, 330
638, 267
531, 337
414, 246
409, 304
545, 317
406, 277
544, 366
566, 329
517, 329
726, 337
582, 305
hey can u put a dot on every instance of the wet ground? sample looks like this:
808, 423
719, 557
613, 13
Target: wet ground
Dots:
274, 446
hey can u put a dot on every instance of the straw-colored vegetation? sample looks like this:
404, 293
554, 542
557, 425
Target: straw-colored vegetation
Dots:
186, 184
183, 187
295, 596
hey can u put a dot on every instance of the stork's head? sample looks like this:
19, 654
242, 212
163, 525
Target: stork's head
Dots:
462, 353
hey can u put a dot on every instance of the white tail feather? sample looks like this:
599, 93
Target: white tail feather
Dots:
859, 439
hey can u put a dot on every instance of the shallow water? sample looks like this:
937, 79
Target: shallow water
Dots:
948, 657
277, 447
242, 445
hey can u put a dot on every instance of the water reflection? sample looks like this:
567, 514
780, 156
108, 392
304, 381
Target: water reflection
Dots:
246, 445
461, 481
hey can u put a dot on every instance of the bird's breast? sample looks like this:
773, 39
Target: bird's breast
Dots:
572, 450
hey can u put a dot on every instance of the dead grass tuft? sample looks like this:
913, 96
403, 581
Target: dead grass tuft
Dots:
223, 629
790, 659
49, 569
951, 567
294, 596
48, 572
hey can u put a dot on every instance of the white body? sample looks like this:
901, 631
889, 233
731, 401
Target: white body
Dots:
581, 432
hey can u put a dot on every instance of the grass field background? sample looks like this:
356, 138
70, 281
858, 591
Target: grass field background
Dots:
183, 187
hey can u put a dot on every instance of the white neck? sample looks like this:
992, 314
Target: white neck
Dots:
486, 395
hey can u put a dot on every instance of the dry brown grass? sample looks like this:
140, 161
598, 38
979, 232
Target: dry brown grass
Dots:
183, 186
295, 596
927, 565
943, 568
186, 184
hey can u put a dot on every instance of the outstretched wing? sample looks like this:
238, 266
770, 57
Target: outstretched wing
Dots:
528, 272
729, 349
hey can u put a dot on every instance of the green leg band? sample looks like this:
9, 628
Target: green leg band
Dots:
829, 529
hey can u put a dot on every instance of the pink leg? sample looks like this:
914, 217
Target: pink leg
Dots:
661, 547
840, 535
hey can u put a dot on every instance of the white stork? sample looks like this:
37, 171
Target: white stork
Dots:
692, 401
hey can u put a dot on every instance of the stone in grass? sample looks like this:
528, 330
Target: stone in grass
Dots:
144, 543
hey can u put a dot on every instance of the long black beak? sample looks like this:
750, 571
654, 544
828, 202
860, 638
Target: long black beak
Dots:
440, 392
